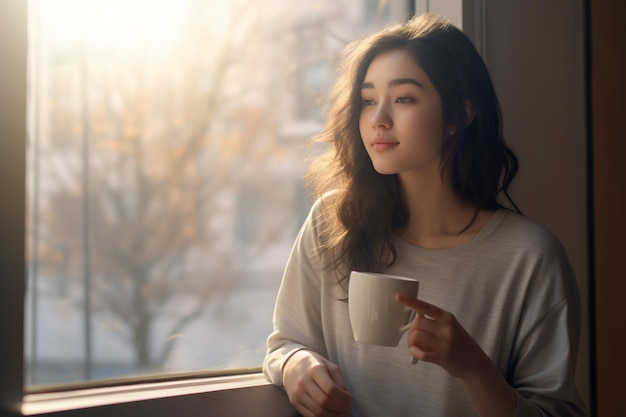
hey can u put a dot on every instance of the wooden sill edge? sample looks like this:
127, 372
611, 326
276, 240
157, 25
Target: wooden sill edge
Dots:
51, 402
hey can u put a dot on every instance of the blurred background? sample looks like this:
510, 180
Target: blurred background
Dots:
167, 144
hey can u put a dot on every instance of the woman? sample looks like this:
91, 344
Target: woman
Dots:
412, 185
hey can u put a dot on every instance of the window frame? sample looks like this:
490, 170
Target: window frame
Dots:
200, 395
13, 205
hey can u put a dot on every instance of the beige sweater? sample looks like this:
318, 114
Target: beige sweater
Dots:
512, 289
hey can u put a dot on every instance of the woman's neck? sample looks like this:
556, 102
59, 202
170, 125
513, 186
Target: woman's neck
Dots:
437, 217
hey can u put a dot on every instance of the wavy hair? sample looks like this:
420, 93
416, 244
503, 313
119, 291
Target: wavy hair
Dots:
367, 206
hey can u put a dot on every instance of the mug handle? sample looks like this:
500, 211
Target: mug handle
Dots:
406, 327
411, 317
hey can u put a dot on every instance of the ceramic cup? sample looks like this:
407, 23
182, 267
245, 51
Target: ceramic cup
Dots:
375, 314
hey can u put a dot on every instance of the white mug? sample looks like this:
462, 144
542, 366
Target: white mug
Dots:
376, 316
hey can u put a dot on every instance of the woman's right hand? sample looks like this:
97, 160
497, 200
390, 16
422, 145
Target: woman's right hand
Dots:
315, 386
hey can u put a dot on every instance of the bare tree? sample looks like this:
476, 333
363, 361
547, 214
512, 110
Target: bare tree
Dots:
170, 137
166, 140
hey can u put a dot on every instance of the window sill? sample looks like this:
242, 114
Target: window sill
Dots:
248, 394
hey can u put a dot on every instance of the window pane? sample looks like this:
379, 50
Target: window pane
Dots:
165, 160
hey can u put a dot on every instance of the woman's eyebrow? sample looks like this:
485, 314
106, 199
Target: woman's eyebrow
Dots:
394, 83
401, 81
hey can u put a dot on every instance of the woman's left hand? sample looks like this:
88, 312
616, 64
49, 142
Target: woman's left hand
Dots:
436, 336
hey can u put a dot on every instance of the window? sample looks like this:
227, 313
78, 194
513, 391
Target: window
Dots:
163, 179
166, 139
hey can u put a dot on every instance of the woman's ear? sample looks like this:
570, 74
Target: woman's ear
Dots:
469, 117
469, 112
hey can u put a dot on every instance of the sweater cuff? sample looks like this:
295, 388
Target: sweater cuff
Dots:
275, 362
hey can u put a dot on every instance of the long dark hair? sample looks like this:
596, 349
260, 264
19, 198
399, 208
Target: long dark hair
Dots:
367, 207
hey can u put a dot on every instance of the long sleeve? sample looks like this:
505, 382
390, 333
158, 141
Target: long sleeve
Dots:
511, 288
544, 364
297, 315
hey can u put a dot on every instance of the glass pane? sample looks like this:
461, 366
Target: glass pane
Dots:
167, 144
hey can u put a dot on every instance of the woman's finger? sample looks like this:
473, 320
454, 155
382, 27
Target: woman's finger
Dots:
308, 406
425, 324
331, 393
337, 376
424, 340
422, 307
422, 355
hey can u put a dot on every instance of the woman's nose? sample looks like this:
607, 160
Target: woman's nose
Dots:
381, 117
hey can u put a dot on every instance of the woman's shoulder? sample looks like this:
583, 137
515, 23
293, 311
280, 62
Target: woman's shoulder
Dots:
317, 221
322, 205
520, 231
327, 197
536, 253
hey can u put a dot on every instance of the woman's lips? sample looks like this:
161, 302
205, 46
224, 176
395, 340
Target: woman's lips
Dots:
383, 144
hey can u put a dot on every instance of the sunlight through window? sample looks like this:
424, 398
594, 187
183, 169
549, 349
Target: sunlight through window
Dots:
166, 151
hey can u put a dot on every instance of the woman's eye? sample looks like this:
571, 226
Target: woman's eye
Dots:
404, 100
367, 102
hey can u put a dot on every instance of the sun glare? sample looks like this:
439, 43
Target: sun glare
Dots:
120, 24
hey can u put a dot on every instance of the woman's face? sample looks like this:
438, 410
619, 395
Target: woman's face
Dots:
401, 121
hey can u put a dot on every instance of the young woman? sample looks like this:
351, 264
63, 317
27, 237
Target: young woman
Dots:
412, 185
